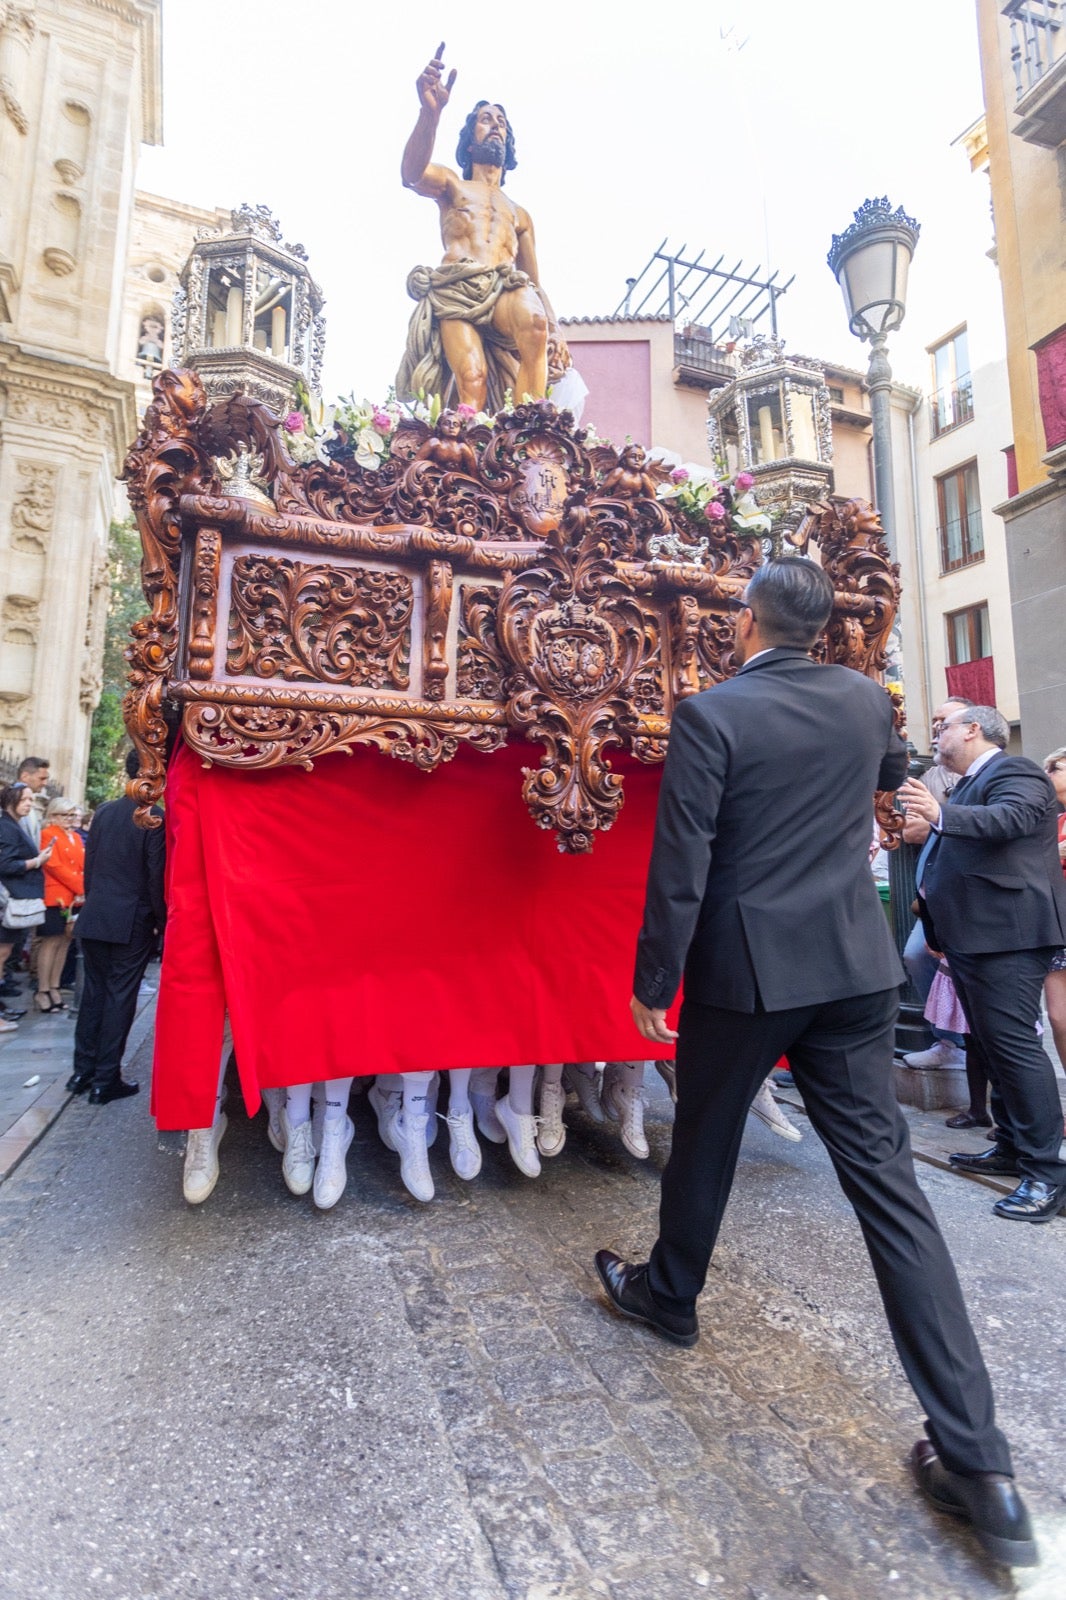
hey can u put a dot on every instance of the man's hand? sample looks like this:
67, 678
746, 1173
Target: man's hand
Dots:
434, 94
651, 1023
918, 801
915, 830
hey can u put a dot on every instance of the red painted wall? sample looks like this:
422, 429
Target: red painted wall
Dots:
618, 376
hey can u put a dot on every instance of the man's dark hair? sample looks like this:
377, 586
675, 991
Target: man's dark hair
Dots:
34, 764
790, 599
466, 143
133, 763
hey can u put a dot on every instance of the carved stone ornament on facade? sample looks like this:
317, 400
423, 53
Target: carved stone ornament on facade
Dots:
21, 619
484, 585
33, 507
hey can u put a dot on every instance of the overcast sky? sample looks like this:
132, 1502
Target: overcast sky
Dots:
633, 124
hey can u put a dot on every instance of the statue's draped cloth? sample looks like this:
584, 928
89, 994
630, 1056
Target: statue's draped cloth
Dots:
460, 291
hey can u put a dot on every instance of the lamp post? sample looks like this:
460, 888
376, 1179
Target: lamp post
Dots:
870, 260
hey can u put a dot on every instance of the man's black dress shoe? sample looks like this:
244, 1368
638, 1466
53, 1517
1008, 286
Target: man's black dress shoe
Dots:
988, 1501
987, 1161
118, 1090
628, 1291
12, 1014
1032, 1201
79, 1082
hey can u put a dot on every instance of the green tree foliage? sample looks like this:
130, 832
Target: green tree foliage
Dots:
107, 739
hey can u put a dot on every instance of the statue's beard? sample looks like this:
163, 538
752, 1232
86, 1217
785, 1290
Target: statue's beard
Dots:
490, 153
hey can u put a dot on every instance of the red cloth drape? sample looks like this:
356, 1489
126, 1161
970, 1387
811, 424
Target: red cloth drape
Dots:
974, 681
368, 917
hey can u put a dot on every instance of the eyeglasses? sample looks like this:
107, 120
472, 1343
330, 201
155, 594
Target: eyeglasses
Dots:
736, 602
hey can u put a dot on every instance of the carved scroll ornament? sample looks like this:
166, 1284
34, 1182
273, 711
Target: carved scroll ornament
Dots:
485, 583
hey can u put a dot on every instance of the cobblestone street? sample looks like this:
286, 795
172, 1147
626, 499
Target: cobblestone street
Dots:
256, 1400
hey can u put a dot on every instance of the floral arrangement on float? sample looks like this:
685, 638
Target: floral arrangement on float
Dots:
715, 497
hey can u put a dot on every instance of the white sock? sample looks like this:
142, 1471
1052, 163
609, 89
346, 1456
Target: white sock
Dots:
520, 1094
416, 1092
552, 1071
483, 1082
459, 1090
298, 1104
587, 1069
631, 1074
336, 1092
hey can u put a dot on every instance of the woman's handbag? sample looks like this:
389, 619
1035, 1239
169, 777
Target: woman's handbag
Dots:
19, 914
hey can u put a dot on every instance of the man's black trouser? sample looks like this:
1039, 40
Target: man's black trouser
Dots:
841, 1058
1000, 995
113, 974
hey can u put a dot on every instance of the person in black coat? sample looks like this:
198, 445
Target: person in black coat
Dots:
991, 885
123, 916
21, 864
759, 888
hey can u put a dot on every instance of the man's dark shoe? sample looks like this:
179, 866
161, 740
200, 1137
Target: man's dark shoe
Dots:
988, 1501
628, 1291
1032, 1201
987, 1161
12, 1013
119, 1090
79, 1082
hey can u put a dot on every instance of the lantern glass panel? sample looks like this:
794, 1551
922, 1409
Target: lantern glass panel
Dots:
273, 312
804, 426
225, 305
766, 426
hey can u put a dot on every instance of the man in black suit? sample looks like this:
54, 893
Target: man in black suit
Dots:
991, 884
118, 926
759, 885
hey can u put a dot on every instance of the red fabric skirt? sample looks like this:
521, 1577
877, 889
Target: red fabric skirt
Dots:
368, 917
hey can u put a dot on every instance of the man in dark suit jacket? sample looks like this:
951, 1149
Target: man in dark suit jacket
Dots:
118, 926
992, 888
759, 885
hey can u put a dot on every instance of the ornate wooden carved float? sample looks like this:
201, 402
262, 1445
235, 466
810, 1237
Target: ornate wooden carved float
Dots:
487, 582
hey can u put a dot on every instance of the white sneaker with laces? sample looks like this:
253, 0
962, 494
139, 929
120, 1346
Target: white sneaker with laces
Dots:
331, 1174
551, 1133
298, 1162
624, 1104
409, 1130
521, 1131
386, 1104
489, 1124
587, 1090
766, 1108
942, 1054
274, 1100
200, 1173
464, 1152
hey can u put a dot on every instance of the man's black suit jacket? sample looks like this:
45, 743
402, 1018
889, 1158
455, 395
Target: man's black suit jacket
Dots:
760, 880
993, 881
124, 868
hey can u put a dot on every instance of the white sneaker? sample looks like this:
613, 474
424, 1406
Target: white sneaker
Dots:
201, 1161
331, 1174
766, 1108
464, 1152
521, 1131
298, 1162
386, 1104
624, 1104
274, 1100
587, 1090
942, 1054
409, 1130
551, 1134
668, 1073
489, 1124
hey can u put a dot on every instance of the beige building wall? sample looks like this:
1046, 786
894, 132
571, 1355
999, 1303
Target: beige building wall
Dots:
83, 94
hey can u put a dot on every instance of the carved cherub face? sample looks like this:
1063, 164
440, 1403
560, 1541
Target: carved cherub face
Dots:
449, 425
633, 455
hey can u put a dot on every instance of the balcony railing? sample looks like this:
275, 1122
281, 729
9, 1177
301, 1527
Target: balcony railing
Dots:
700, 362
951, 406
1037, 29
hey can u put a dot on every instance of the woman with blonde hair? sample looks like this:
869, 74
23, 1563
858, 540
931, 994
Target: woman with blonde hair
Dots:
64, 892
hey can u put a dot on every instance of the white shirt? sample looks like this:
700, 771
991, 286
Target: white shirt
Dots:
971, 772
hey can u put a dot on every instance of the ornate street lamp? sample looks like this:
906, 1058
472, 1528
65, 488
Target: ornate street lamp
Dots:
870, 260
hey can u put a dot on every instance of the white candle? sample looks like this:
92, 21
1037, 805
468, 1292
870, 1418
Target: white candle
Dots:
234, 315
277, 333
766, 435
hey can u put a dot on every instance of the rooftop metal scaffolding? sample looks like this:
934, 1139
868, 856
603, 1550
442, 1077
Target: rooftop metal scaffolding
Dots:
672, 286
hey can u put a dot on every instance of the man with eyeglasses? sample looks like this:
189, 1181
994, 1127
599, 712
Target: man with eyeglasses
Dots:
994, 902
760, 893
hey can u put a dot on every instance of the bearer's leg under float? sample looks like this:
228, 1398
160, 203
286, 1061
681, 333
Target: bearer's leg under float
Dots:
483, 1101
331, 1174
409, 1130
551, 1132
200, 1173
622, 1098
464, 1152
580, 1076
515, 1112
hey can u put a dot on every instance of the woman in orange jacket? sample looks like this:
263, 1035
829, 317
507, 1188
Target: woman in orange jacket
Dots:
64, 892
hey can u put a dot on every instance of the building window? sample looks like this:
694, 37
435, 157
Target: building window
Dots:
958, 509
969, 636
836, 396
952, 401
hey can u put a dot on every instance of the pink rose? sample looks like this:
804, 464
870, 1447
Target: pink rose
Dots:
715, 511
382, 422
744, 481
465, 411
294, 422
679, 475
